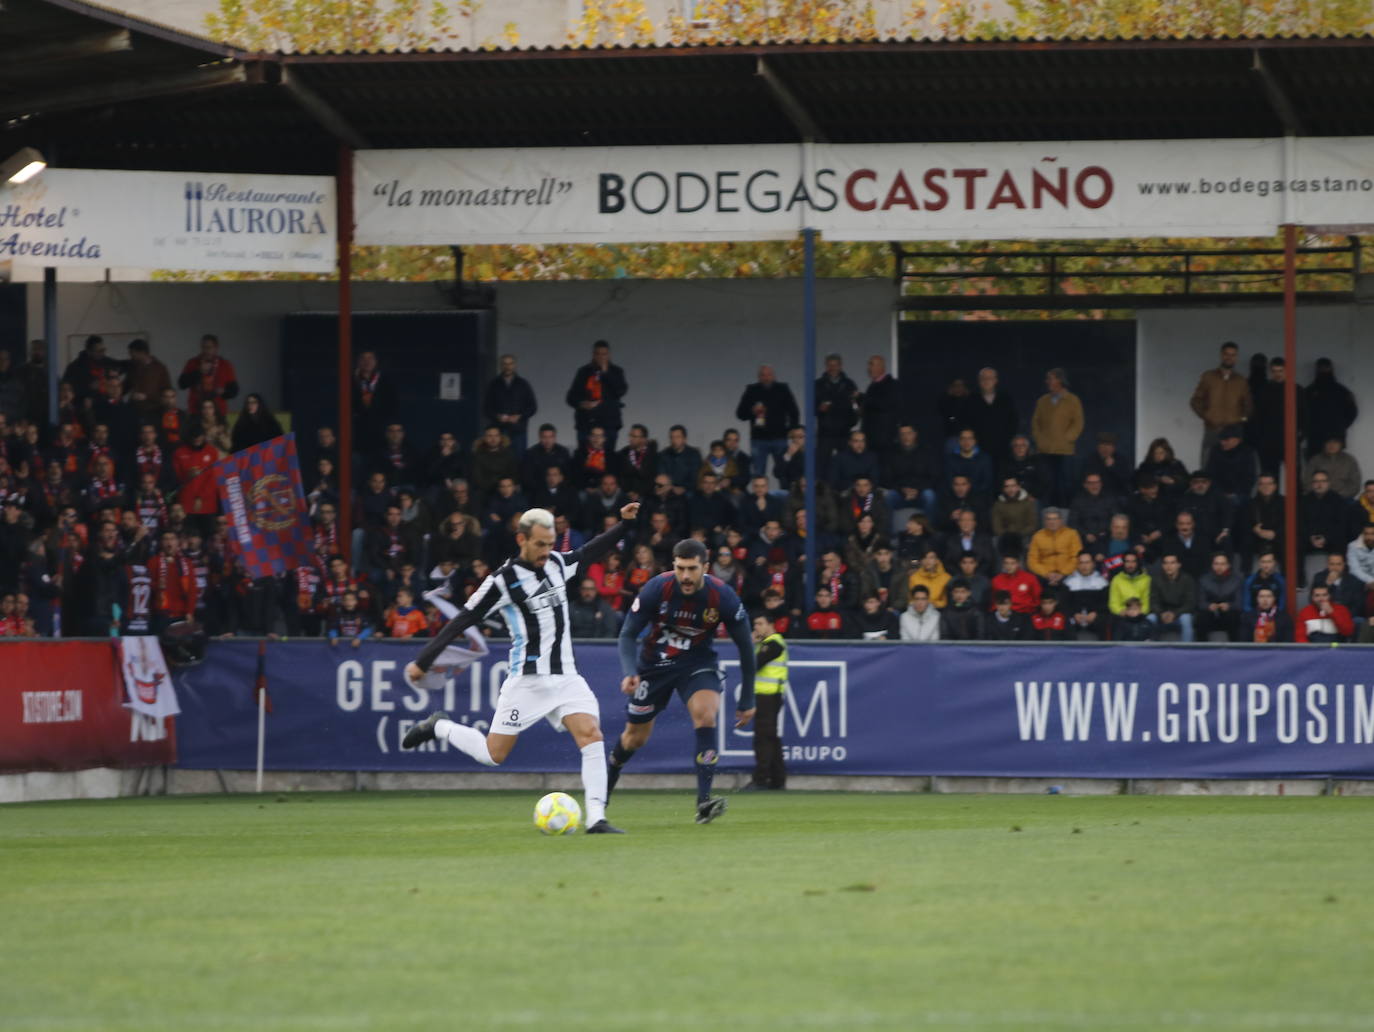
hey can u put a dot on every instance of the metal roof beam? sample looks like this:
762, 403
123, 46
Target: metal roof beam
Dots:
324, 113
796, 112
105, 93
68, 50
1279, 100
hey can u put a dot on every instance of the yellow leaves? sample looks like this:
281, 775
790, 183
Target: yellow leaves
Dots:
307, 26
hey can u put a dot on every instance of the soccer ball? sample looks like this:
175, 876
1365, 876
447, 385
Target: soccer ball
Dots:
557, 814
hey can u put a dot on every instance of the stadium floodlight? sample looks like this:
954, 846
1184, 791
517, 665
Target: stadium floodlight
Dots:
22, 165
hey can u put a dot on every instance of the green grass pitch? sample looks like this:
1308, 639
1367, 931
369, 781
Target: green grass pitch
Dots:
794, 911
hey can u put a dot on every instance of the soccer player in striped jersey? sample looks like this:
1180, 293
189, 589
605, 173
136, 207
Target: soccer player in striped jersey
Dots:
531, 594
682, 609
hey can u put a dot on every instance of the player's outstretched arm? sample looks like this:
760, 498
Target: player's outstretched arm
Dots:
600, 546
738, 626
481, 603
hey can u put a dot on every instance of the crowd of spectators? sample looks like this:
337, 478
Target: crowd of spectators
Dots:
1008, 527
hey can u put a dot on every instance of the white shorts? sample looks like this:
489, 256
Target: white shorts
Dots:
525, 699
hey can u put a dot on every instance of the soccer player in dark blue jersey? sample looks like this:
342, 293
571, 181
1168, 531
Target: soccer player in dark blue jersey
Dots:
682, 610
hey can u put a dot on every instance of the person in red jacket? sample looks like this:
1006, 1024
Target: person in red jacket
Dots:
194, 464
173, 583
1322, 620
209, 377
1022, 586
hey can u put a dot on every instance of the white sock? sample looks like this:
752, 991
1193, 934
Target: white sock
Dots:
468, 739
594, 781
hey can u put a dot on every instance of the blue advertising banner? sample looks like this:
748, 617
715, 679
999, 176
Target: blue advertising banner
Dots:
1026, 711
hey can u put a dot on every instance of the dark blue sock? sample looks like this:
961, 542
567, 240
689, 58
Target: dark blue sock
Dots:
615, 763
705, 761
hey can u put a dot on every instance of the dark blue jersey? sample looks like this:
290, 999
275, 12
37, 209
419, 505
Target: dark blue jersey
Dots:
682, 629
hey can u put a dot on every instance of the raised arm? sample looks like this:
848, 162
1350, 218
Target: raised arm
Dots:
600, 546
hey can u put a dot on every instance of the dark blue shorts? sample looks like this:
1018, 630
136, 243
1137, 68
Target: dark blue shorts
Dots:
656, 690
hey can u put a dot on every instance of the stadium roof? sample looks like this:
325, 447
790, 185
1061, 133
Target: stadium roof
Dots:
96, 88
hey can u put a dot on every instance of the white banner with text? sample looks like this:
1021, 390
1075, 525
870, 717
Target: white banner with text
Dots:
99, 218
973, 191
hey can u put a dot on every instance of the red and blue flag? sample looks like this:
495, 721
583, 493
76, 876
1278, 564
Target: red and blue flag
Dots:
260, 488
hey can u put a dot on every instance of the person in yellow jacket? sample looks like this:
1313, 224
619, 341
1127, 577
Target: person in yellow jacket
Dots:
930, 572
770, 688
1054, 548
1056, 425
1130, 582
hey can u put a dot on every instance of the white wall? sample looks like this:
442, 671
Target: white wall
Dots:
688, 347
1176, 345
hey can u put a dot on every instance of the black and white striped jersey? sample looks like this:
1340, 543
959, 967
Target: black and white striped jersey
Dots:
533, 601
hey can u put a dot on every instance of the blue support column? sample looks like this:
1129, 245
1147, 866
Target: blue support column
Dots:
50, 335
809, 365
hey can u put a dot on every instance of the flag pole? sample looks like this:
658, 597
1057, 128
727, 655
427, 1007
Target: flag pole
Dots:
262, 734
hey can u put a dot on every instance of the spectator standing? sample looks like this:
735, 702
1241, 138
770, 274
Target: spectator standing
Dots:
1330, 408
33, 374
1173, 596
1056, 426
836, 410
595, 394
1266, 429
771, 411
1265, 621
173, 584
145, 379
209, 377
88, 371
1322, 621
992, 415
193, 463
880, 406
1341, 468
376, 404
255, 424
1220, 599
509, 403
1054, 548
1221, 398
921, 620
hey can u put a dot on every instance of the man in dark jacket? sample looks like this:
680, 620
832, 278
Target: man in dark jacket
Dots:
836, 398
638, 462
960, 620
880, 406
1330, 406
1265, 517
911, 472
535, 462
1091, 513
595, 395
770, 410
680, 462
1210, 508
1265, 431
1219, 600
1151, 513
1324, 518
509, 403
992, 415
1031, 470
1173, 596
855, 460
1002, 624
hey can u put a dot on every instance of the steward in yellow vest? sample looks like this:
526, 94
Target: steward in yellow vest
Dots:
770, 688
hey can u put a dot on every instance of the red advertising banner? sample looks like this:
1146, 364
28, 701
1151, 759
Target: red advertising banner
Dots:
62, 708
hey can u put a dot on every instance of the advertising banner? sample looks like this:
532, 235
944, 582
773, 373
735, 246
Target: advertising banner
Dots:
1054, 711
260, 488
63, 707
214, 222
963, 191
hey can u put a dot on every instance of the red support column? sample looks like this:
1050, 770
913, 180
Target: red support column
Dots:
1292, 555
345, 434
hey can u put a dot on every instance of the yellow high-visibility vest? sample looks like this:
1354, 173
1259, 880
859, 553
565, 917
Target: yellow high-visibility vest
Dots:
771, 679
